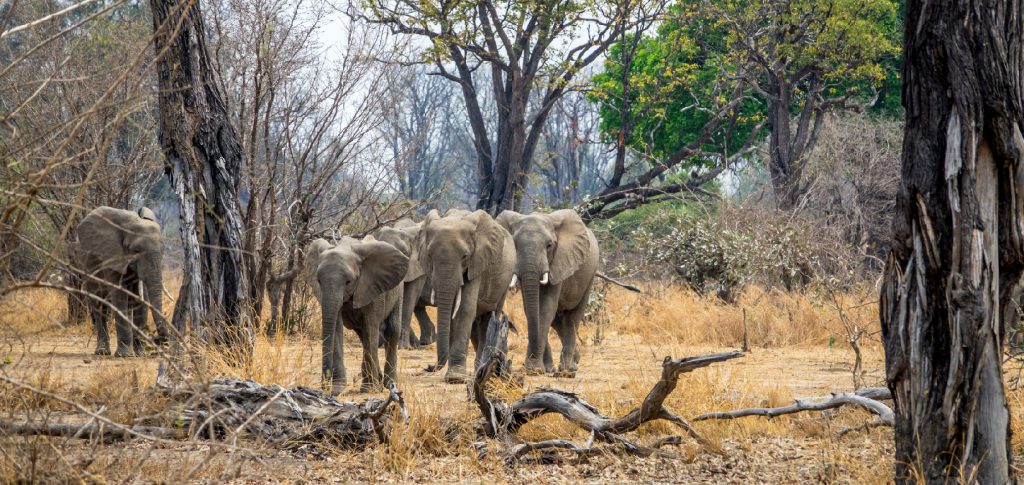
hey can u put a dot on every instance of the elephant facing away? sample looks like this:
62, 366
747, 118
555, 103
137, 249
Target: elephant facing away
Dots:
469, 260
116, 251
358, 284
416, 285
556, 260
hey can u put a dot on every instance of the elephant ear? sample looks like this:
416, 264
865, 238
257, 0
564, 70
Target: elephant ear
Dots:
420, 246
382, 269
312, 262
573, 244
489, 241
509, 219
415, 265
147, 214
104, 236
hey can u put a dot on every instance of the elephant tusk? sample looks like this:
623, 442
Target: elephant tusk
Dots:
432, 297
515, 279
458, 300
544, 279
167, 293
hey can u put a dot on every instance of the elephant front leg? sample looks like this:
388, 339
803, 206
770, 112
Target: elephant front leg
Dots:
568, 329
410, 293
100, 316
462, 325
139, 323
123, 325
392, 334
370, 335
538, 352
428, 334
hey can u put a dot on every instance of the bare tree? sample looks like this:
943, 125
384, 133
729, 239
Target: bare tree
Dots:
954, 272
536, 46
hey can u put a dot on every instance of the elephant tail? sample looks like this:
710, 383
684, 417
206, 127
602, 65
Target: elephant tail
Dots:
617, 282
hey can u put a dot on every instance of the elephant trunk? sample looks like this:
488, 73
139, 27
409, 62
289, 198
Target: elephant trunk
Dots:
529, 280
332, 366
447, 290
154, 294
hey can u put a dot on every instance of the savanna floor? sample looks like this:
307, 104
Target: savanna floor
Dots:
798, 350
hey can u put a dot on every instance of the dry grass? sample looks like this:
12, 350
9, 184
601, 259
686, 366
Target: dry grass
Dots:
791, 357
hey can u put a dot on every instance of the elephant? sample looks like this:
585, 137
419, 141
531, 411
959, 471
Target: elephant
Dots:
469, 259
359, 283
116, 251
556, 260
416, 285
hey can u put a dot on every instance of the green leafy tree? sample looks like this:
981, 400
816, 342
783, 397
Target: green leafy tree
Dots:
697, 93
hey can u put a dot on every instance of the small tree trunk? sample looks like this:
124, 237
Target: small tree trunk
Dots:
204, 159
958, 246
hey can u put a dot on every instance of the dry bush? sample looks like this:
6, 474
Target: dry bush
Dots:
771, 318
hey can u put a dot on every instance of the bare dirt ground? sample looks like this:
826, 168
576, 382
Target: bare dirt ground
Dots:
436, 444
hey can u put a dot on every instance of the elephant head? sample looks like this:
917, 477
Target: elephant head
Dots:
125, 242
453, 251
354, 270
549, 249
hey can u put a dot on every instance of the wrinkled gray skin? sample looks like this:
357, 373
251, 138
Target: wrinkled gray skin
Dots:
117, 249
469, 259
416, 285
556, 260
358, 284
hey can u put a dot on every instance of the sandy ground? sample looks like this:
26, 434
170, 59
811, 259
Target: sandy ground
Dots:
614, 375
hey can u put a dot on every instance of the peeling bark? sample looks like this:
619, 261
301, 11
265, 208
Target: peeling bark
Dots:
203, 163
957, 249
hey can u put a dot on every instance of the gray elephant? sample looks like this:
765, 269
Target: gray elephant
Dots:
556, 260
116, 251
358, 283
416, 285
469, 259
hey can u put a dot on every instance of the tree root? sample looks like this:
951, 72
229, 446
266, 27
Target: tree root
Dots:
503, 420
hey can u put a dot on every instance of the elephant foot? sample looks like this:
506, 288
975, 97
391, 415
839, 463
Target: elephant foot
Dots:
456, 375
406, 346
102, 351
124, 352
566, 374
534, 370
367, 387
434, 367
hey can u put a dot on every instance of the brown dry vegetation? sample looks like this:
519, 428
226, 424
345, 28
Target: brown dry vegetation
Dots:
798, 350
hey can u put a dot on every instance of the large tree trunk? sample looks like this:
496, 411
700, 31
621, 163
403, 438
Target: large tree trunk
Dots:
204, 159
958, 244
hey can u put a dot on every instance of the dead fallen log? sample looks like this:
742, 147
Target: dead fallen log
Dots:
89, 431
503, 420
867, 398
299, 419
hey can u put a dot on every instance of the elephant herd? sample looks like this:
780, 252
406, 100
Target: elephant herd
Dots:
462, 263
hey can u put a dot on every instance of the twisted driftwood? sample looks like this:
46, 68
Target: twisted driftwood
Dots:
502, 420
868, 398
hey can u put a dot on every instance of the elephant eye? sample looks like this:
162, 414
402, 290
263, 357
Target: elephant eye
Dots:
551, 244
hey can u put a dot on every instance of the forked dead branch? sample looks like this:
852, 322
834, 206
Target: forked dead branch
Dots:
503, 420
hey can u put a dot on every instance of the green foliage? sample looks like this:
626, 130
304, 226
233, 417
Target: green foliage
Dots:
707, 52
675, 84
